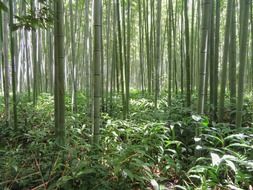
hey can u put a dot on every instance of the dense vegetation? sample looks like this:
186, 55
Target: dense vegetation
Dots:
170, 146
126, 94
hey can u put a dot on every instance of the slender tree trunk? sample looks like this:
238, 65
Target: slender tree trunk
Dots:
251, 23
13, 66
114, 57
187, 58
97, 63
27, 66
203, 55
6, 69
147, 37
86, 55
141, 46
211, 57
34, 55
73, 53
127, 64
224, 62
232, 59
108, 46
39, 71
121, 61
216, 60
152, 46
192, 44
198, 40
158, 50
174, 26
169, 49
59, 74
182, 51
242, 58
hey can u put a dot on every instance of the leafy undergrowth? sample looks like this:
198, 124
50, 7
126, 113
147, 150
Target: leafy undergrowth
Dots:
167, 148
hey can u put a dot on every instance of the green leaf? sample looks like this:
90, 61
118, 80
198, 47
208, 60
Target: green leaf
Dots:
198, 169
215, 159
205, 123
195, 176
3, 6
86, 171
240, 145
237, 136
129, 174
154, 184
64, 179
196, 118
215, 138
15, 27
228, 157
180, 187
230, 186
231, 165
15, 168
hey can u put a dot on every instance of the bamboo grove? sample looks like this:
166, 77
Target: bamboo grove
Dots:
201, 50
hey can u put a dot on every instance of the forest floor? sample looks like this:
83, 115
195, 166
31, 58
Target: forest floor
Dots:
170, 147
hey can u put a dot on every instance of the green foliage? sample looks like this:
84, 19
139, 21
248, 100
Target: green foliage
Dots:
228, 156
42, 19
166, 148
3, 6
